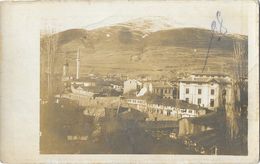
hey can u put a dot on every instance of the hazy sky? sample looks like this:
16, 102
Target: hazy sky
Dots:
90, 15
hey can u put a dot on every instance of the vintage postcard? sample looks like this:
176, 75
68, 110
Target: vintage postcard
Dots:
133, 81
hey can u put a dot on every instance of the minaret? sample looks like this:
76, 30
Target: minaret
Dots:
65, 69
78, 63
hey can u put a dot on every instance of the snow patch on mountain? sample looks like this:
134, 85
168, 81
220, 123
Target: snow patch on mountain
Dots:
148, 24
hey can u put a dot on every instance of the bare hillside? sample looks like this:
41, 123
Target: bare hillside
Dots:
123, 48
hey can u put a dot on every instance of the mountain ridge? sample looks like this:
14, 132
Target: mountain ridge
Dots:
122, 49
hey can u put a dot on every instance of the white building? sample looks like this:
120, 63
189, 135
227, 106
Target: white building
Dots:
86, 82
160, 88
167, 107
132, 85
207, 90
117, 87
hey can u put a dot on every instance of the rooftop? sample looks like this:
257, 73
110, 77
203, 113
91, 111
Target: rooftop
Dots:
209, 74
85, 79
161, 84
138, 82
93, 89
205, 80
116, 82
155, 99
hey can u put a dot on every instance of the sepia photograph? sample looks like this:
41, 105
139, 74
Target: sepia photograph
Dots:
145, 78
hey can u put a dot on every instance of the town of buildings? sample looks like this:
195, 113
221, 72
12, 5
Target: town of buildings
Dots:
201, 90
189, 100
190, 96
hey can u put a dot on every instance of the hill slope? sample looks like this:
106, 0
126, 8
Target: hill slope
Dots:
130, 50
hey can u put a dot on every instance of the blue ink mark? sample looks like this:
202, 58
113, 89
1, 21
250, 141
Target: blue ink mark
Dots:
216, 28
207, 56
217, 25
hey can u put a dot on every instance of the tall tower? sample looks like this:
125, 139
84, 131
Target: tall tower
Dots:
65, 69
78, 63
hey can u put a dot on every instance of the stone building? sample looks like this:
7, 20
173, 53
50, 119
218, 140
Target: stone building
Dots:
207, 90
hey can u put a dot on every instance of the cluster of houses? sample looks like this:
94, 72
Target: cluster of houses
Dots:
200, 91
188, 97
191, 96
168, 107
96, 87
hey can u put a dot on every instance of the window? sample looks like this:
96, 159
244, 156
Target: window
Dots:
199, 91
211, 102
212, 91
187, 90
187, 99
199, 101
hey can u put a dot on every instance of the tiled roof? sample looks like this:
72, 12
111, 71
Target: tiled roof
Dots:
155, 99
161, 85
201, 80
138, 82
85, 79
173, 102
205, 80
222, 81
209, 74
93, 89
120, 83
